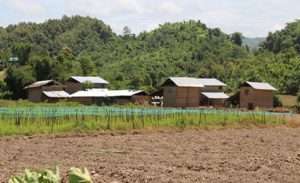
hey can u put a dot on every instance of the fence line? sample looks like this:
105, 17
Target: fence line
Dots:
55, 119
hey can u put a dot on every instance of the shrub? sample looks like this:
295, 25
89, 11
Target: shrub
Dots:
276, 101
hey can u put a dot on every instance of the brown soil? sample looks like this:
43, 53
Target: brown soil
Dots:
232, 155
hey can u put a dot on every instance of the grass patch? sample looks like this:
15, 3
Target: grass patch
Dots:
26, 103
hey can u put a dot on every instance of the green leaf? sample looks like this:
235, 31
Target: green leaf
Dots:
77, 175
16, 179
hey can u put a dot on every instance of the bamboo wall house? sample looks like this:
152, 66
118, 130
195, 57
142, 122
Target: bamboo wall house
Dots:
256, 94
36, 90
193, 92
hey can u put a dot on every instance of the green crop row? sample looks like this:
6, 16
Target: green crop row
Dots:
72, 119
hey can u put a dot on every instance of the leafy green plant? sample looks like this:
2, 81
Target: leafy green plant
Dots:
44, 176
75, 175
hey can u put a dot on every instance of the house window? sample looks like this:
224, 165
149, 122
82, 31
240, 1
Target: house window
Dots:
220, 87
246, 92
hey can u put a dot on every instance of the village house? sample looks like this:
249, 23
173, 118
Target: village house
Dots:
175, 92
77, 83
256, 94
75, 90
193, 92
36, 91
105, 96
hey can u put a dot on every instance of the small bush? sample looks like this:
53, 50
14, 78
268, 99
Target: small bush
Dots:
276, 101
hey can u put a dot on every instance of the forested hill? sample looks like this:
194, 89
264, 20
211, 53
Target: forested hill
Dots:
78, 45
77, 33
85, 46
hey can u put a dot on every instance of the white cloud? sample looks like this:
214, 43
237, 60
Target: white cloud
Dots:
277, 27
169, 7
26, 7
103, 8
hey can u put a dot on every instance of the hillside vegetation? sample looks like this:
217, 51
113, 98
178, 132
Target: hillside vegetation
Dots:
78, 45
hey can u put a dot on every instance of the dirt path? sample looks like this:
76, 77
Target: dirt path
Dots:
241, 155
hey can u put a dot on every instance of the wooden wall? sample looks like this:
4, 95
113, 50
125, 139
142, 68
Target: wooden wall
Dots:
212, 102
36, 94
255, 98
138, 99
72, 87
212, 89
141, 99
181, 96
169, 95
83, 100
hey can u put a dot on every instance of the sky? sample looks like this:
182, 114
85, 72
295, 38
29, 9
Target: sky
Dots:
253, 18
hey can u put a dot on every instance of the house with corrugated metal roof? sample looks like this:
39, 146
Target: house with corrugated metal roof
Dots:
256, 94
74, 90
106, 96
36, 90
193, 92
55, 96
77, 83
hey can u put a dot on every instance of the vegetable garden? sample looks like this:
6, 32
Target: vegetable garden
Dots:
31, 120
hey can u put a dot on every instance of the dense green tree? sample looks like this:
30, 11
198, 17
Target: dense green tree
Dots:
127, 32
237, 38
22, 52
17, 79
88, 67
42, 67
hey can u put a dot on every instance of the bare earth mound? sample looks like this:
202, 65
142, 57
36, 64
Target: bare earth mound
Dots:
240, 155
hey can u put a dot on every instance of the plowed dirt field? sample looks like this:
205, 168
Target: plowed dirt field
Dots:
230, 155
